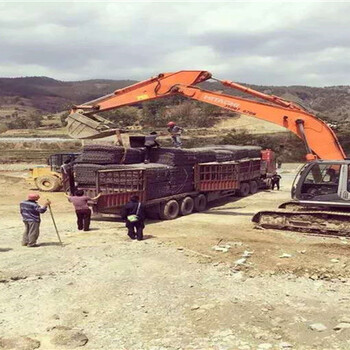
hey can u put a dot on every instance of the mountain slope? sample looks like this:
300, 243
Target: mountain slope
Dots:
48, 95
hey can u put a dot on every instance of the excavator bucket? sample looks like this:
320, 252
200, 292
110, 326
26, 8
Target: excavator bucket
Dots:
92, 127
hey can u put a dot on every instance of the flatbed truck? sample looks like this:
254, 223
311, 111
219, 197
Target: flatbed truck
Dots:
212, 181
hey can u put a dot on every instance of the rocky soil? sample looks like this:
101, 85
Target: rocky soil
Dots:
205, 281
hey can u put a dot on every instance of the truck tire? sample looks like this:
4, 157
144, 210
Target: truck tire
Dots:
253, 187
48, 183
186, 206
200, 203
169, 210
244, 189
152, 212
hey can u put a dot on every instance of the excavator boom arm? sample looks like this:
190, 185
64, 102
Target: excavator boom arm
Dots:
318, 137
150, 89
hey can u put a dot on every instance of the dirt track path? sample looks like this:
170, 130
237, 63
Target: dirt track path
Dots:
172, 291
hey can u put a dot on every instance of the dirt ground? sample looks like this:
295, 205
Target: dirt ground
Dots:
172, 290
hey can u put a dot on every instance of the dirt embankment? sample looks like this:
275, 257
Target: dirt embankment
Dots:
37, 150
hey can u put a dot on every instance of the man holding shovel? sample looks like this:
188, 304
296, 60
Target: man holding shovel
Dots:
30, 211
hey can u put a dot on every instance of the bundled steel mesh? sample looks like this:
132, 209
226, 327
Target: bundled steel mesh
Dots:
181, 157
173, 156
222, 155
85, 174
107, 154
170, 172
99, 157
159, 190
204, 155
164, 189
180, 180
180, 175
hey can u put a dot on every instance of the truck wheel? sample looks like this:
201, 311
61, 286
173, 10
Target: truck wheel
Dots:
186, 206
200, 203
169, 210
253, 185
153, 212
244, 189
48, 183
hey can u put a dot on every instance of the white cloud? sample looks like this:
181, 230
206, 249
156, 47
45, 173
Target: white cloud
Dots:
274, 42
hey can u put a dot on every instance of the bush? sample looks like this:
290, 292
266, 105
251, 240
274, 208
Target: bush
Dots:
3, 128
32, 121
122, 117
186, 114
63, 118
288, 147
153, 118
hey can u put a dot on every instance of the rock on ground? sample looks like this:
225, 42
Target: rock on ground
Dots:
19, 343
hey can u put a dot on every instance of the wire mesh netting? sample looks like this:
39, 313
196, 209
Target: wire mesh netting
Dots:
170, 172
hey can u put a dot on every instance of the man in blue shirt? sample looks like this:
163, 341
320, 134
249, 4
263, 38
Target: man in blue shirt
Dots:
30, 211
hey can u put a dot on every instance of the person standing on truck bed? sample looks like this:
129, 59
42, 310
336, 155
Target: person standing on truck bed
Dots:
134, 214
82, 209
150, 142
30, 211
175, 132
67, 173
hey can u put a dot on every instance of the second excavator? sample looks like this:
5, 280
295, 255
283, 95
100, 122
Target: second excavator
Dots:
321, 190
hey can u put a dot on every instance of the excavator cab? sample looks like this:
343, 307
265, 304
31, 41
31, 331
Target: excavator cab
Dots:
323, 183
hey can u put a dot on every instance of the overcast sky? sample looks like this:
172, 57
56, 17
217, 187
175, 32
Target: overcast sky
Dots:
269, 43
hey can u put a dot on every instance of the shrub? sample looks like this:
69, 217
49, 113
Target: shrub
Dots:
122, 117
288, 147
32, 121
3, 128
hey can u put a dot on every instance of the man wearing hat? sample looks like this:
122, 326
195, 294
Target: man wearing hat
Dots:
175, 133
30, 211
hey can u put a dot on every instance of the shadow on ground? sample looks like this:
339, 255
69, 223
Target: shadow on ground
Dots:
47, 244
3, 250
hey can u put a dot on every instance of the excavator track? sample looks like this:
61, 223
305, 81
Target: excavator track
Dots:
312, 221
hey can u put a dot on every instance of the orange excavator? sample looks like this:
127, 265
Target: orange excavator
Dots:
323, 182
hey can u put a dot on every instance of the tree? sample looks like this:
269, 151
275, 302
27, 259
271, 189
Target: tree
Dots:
31, 121
153, 117
122, 117
190, 115
63, 118
3, 128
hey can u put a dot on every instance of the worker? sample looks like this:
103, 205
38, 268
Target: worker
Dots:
82, 209
150, 142
175, 132
275, 181
67, 173
134, 215
30, 211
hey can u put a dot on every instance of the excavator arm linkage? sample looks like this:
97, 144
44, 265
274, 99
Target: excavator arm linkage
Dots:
319, 139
